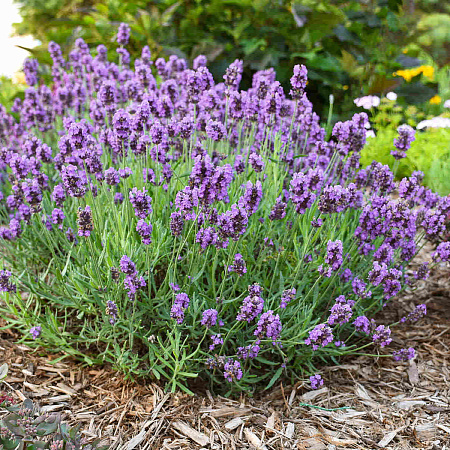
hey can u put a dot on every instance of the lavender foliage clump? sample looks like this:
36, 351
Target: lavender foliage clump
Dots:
215, 186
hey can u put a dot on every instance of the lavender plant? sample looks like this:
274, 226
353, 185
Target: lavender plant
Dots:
25, 427
179, 228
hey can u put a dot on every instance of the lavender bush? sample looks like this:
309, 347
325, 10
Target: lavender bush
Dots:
177, 227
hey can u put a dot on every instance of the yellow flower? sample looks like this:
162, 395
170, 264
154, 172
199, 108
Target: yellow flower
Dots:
19, 78
435, 100
345, 87
405, 50
428, 71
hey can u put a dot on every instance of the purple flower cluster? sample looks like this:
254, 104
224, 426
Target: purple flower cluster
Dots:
316, 381
252, 305
405, 354
238, 266
111, 310
320, 336
179, 306
36, 331
419, 312
288, 295
133, 282
232, 370
269, 325
210, 318
341, 311
142, 203
5, 283
406, 135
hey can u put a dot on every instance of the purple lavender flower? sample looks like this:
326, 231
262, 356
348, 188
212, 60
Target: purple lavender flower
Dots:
175, 287
142, 203
340, 313
442, 252
233, 223
5, 284
252, 305
85, 222
36, 331
58, 195
176, 223
278, 211
118, 198
359, 288
269, 325
362, 323
70, 235
58, 217
179, 306
346, 275
382, 336
378, 273
145, 231
298, 81
133, 283
125, 173
320, 336
256, 162
406, 135
419, 312
288, 295
233, 75
317, 222
316, 381
250, 351
423, 272
123, 34
127, 266
217, 339
384, 254
334, 254
252, 197
404, 354
30, 69
206, 237
112, 176
186, 200
232, 370
73, 183
209, 318
300, 194
239, 266
122, 124
215, 130
111, 310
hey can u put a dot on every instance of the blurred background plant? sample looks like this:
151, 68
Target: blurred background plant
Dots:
351, 48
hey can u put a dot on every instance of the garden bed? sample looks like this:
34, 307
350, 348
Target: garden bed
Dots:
385, 404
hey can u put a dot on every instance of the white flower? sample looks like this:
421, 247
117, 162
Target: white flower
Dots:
435, 122
367, 102
447, 104
370, 133
391, 96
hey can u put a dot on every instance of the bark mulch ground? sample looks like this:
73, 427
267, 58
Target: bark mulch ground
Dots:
367, 403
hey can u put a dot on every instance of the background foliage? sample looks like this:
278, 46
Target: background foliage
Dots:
343, 43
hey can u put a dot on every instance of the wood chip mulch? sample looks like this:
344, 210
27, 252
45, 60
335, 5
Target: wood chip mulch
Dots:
384, 404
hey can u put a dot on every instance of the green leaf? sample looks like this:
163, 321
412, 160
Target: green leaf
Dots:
274, 378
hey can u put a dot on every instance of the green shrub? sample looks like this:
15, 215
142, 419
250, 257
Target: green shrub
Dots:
429, 153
